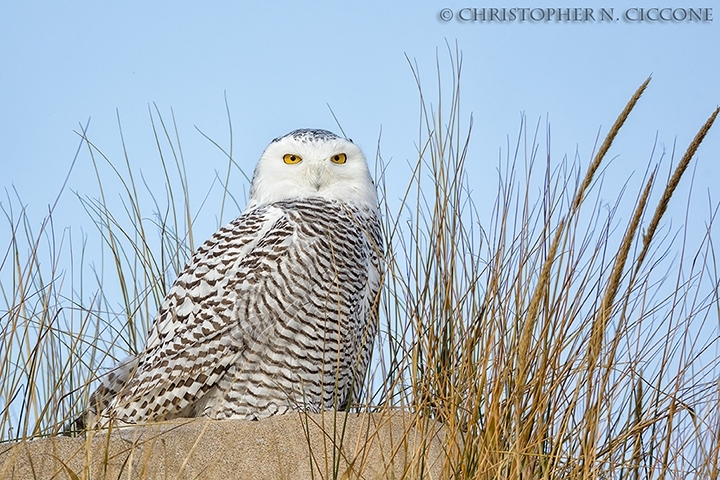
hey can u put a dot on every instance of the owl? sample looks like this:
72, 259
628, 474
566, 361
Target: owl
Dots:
277, 311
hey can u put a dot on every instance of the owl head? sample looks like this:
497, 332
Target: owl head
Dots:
312, 163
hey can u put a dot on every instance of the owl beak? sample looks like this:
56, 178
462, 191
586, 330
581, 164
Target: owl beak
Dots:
318, 177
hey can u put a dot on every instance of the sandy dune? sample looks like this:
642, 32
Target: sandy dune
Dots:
334, 445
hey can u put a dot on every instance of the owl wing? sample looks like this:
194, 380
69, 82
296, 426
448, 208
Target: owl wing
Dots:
368, 305
196, 336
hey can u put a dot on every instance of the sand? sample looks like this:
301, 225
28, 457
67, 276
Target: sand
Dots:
333, 445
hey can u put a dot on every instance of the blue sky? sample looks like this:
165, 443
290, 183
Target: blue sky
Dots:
282, 63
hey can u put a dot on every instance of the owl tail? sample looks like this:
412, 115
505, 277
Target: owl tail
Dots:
110, 385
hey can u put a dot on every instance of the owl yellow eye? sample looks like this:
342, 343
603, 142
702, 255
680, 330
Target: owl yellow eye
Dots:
339, 158
291, 158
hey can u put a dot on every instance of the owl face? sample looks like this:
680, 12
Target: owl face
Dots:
312, 163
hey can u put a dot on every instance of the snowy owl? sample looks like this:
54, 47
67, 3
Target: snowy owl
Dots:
277, 311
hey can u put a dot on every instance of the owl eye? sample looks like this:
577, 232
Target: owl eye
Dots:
339, 158
291, 158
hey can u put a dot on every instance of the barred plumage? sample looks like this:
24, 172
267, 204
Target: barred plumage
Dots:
277, 310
